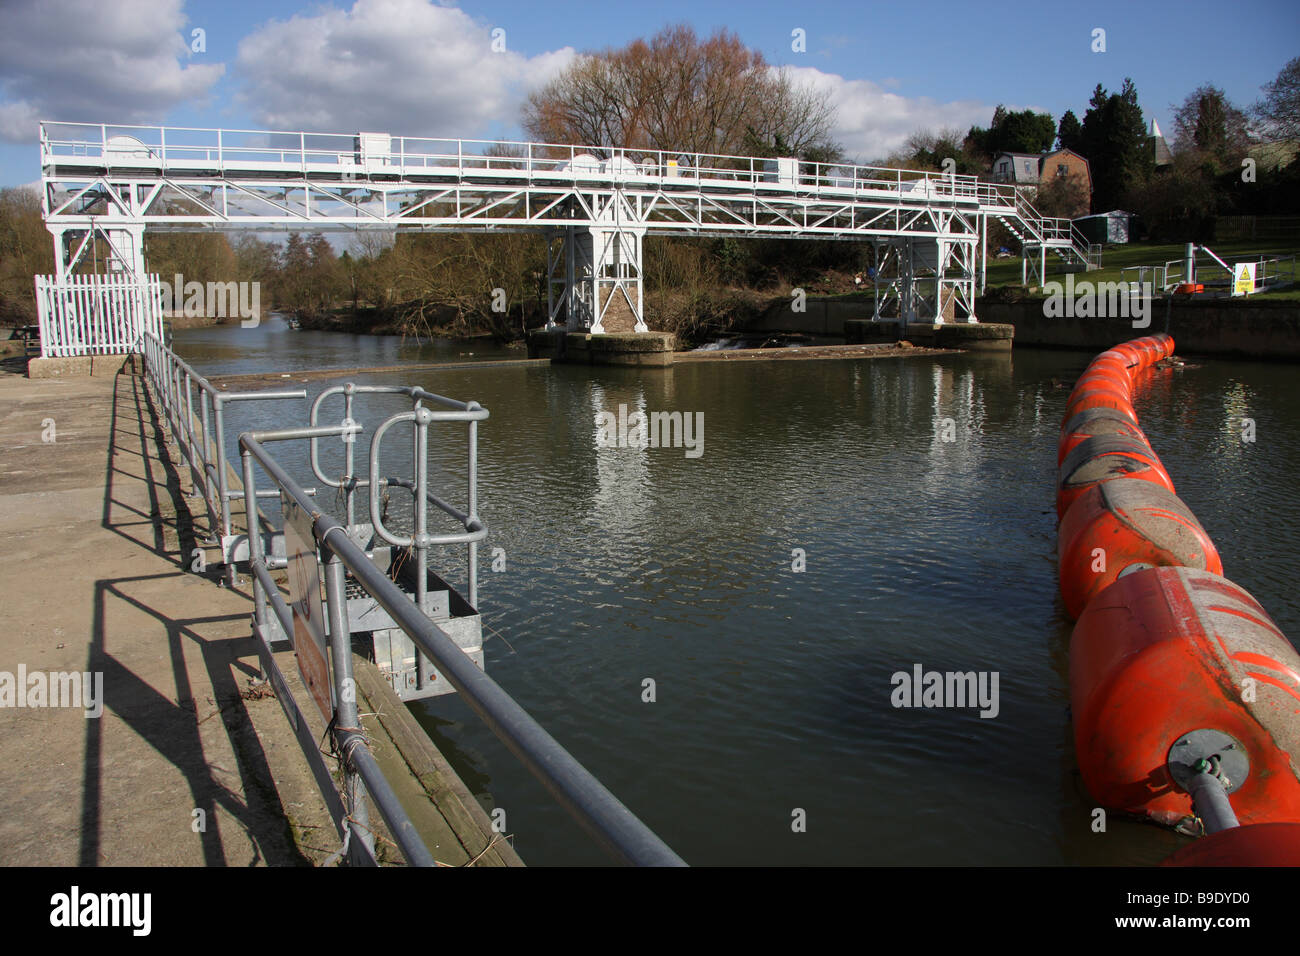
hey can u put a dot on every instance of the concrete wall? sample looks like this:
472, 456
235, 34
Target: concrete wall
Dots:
649, 349
824, 317
977, 337
1249, 328
80, 366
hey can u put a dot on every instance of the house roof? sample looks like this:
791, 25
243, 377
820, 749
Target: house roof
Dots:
1028, 167
1163, 155
1024, 166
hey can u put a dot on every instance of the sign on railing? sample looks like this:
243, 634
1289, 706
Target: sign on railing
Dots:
97, 314
304, 599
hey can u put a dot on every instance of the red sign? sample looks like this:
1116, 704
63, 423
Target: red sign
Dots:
304, 599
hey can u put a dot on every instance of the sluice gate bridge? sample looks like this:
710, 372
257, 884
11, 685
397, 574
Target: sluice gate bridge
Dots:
594, 205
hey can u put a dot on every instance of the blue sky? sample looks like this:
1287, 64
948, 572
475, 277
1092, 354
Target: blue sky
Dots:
418, 68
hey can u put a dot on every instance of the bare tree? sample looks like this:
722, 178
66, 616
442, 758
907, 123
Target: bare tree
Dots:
1064, 197
26, 250
677, 92
1207, 123
1279, 111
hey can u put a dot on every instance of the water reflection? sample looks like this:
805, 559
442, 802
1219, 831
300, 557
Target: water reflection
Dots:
773, 687
622, 493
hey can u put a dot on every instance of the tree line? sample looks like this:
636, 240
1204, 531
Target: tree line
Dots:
1227, 159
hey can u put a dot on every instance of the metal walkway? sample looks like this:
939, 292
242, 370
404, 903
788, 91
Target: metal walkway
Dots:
595, 205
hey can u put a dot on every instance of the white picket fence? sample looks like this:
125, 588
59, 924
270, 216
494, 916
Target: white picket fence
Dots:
97, 314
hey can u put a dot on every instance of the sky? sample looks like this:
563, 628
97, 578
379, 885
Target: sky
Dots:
420, 68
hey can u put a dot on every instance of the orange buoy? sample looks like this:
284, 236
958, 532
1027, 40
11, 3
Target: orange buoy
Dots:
1114, 355
1095, 398
1096, 421
1120, 524
1104, 458
1263, 844
1165, 659
1087, 414
1095, 383
1111, 366
1104, 375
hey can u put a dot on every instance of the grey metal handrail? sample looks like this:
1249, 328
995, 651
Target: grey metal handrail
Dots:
176, 381
468, 413
559, 162
615, 828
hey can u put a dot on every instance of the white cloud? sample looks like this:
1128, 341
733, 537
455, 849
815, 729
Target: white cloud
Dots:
402, 66
872, 122
93, 61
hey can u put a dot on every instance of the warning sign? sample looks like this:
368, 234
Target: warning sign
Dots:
1243, 278
304, 599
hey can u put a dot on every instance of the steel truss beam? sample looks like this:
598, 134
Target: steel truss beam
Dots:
595, 205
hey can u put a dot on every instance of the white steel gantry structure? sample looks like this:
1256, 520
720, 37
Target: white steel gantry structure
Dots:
594, 205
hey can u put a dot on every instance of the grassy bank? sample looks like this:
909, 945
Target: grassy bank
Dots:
1005, 273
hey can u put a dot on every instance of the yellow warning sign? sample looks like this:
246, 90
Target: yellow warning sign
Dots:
1243, 278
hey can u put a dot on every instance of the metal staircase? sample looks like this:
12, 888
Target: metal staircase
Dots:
1039, 234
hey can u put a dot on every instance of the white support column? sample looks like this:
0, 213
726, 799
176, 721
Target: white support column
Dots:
875, 280
550, 280
942, 249
126, 250
603, 270
60, 253
906, 285
984, 252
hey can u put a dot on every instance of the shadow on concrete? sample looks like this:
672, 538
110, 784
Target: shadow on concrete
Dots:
172, 727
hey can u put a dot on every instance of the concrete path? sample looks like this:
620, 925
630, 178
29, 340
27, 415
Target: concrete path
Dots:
94, 576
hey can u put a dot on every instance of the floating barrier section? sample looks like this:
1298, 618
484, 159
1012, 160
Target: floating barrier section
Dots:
1185, 694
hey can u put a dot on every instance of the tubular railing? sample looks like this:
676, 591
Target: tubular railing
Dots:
420, 540
159, 147
615, 828
204, 453
1173, 272
1277, 277
1060, 233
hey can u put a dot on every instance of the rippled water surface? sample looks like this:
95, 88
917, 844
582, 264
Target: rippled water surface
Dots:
773, 687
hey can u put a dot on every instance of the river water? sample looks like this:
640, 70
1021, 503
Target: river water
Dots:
772, 688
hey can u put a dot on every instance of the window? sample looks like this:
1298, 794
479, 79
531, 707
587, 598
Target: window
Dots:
1062, 170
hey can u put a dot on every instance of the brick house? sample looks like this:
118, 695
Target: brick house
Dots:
1031, 170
